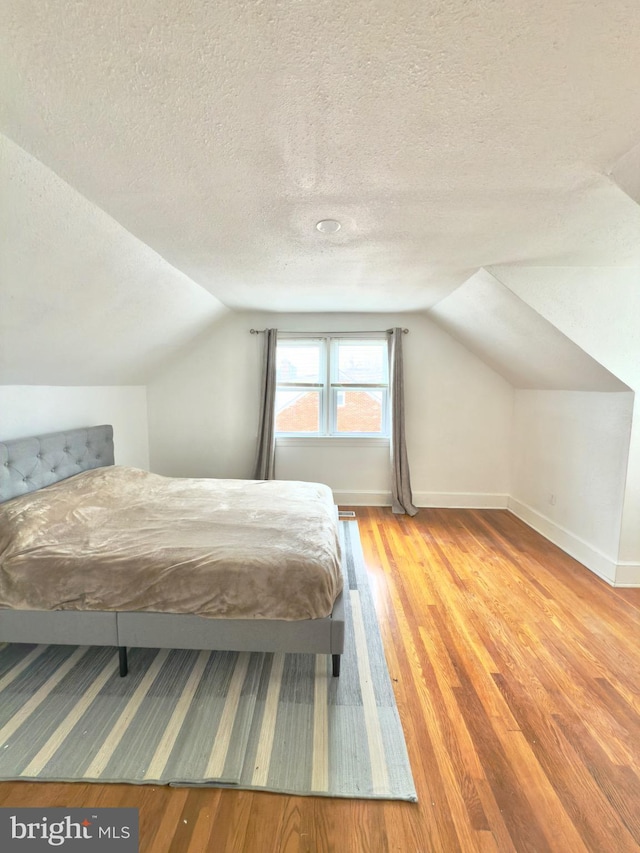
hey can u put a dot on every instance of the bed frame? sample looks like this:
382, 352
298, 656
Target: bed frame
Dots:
32, 463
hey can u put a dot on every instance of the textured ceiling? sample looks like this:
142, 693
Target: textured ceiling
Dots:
82, 301
516, 341
597, 309
626, 173
444, 136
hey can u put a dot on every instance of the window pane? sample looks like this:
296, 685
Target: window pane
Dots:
298, 361
297, 411
359, 411
361, 362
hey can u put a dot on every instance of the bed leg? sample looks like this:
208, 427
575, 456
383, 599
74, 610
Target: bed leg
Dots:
336, 665
124, 666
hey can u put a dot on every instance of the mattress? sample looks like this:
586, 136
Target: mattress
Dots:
123, 539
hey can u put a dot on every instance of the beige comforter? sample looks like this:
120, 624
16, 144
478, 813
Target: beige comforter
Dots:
123, 539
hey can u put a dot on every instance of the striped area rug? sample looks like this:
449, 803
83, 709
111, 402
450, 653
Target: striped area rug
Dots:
276, 722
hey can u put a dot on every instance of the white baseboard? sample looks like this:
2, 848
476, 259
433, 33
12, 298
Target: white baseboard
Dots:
461, 500
614, 573
628, 575
444, 500
605, 567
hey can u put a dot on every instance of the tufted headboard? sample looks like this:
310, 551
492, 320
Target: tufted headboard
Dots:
28, 464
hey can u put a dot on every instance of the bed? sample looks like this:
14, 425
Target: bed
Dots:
51, 462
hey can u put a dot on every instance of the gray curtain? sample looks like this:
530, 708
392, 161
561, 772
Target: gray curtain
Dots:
401, 497
266, 456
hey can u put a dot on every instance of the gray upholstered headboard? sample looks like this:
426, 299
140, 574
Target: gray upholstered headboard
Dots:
27, 464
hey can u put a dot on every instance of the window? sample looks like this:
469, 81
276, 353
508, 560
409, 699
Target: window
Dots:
332, 386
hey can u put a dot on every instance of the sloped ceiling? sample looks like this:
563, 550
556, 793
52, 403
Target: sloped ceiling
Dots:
82, 301
516, 341
626, 173
598, 309
444, 137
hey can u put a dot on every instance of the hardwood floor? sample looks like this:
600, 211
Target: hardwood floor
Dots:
517, 676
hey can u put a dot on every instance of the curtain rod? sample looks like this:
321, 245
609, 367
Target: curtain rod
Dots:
322, 334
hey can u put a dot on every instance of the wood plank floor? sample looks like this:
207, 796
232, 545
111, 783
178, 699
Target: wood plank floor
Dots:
517, 676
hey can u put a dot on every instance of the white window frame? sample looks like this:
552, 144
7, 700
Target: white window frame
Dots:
328, 390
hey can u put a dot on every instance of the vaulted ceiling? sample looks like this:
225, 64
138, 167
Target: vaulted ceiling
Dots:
166, 162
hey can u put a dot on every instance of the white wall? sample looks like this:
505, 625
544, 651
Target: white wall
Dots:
358, 470
203, 406
570, 453
629, 554
598, 308
31, 409
203, 415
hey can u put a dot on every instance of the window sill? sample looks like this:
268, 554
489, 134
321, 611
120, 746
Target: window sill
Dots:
332, 441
